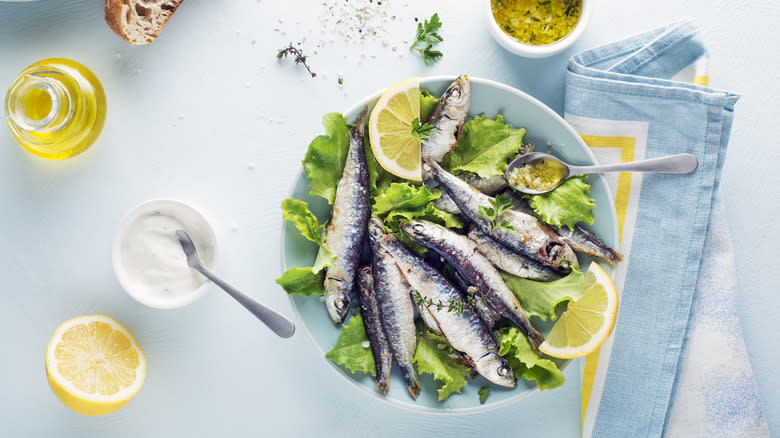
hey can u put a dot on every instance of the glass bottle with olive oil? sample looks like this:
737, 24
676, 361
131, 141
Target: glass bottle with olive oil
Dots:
55, 108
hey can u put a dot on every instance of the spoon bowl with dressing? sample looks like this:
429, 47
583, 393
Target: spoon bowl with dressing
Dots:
536, 172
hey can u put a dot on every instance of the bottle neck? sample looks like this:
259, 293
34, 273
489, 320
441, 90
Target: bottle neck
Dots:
29, 98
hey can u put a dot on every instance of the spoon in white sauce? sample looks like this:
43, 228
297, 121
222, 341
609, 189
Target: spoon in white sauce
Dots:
278, 323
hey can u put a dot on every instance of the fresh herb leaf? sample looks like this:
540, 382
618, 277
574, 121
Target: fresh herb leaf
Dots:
434, 356
421, 132
352, 349
301, 281
453, 305
298, 55
499, 204
426, 37
483, 394
541, 298
567, 205
325, 158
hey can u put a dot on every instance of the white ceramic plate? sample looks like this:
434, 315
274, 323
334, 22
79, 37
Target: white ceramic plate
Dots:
544, 127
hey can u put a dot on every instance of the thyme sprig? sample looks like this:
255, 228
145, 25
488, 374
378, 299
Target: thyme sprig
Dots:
454, 305
300, 58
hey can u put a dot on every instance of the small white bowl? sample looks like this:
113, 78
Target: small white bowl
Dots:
194, 223
538, 51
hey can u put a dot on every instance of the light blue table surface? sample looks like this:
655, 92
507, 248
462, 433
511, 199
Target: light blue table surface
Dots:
206, 114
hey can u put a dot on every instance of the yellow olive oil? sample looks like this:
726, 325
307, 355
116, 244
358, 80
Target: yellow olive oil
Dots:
55, 108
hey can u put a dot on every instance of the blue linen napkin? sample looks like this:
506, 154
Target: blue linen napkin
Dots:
628, 100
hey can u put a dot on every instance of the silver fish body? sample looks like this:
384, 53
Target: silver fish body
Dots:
529, 237
509, 261
396, 308
488, 186
447, 120
347, 227
463, 255
372, 321
465, 331
579, 239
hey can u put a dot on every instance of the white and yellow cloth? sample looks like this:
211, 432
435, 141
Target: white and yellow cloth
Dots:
676, 364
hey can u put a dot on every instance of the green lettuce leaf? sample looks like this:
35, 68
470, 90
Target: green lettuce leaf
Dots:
304, 220
403, 197
483, 394
431, 359
568, 204
305, 281
486, 146
540, 298
352, 349
301, 281
324, 160
526, 362
427, 104
441, 217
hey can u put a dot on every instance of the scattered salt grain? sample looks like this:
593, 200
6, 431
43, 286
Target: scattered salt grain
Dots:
365, 344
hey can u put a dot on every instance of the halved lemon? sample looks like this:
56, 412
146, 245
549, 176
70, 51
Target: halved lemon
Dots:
587, 322
390, 130
94, 364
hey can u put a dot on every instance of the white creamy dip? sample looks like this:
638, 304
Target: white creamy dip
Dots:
149, 261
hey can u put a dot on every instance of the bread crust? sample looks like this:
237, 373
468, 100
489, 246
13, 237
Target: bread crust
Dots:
117, 13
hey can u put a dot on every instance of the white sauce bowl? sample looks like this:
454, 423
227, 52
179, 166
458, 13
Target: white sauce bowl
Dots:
144, 250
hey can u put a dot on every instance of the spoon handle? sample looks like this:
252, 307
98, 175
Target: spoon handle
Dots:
680, 163
278, 323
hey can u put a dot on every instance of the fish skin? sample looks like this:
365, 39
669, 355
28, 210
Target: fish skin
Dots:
508, 261
579, 239
466, 332
369, 309
463, 255
529, 237
488, 186
347, 227
447, 120
396, 308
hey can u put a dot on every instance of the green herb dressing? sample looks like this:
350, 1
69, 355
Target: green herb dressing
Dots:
537, 22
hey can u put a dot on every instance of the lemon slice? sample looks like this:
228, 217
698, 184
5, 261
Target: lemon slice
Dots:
94, 365
390, 129
587, 322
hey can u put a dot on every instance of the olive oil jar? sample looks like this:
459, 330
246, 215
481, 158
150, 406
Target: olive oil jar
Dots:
55, 108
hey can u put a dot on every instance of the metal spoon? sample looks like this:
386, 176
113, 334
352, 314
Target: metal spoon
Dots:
275, 321
680, 163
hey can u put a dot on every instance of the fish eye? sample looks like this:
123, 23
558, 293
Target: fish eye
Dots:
339, 303
503, 371
418, 228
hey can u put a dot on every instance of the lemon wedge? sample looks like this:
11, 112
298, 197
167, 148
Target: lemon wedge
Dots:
94, 365
390, 130
587, 322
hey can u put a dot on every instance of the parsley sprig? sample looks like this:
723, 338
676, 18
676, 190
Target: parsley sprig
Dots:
422, 132
426, 37
493, 213
300, 58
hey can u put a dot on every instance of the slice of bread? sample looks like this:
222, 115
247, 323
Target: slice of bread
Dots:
139, 21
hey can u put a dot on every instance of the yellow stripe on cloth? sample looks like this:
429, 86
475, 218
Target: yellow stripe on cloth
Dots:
703, 80
626, 146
